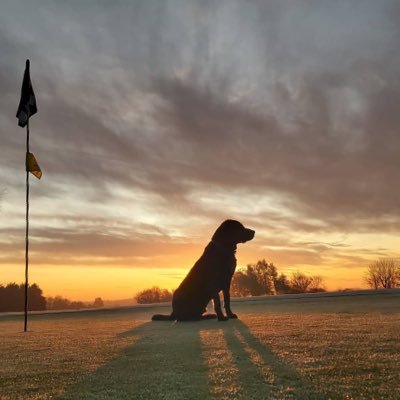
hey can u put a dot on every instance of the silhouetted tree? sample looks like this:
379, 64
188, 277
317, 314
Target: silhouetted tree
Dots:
316, 284
239, 287
266, 276
153, 295
98, 302
61, 303
300, 282
36, 300
262, 278
255, 280
383, 274
12, 298
282, 284
244, 283
57, 303
77, 305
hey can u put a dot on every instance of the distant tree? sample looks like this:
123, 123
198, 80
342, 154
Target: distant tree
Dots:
36, 300
282, 284
300, 282
61, 303
383, 274
57, 303
316, 285
262, 278
12, 298
255, 280
238, 285
98, 302
165, 296
153, 295
266, 276
244, 284
77, 305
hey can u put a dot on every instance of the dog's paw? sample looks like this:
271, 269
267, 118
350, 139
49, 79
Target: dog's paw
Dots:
222, 318
232, 316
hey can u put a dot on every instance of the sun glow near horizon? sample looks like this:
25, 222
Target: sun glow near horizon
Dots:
117, 282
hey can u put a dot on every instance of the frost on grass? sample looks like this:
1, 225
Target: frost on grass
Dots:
55, 353
222, 371
344, 348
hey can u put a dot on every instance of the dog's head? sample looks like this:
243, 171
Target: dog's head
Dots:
232, 232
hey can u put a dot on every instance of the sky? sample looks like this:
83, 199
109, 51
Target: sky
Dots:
158, 120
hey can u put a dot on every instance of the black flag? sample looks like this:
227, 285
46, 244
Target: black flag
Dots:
27, 104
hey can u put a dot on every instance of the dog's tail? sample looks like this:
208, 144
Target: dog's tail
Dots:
162, 317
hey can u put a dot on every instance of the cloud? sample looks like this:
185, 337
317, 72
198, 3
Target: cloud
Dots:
176, 116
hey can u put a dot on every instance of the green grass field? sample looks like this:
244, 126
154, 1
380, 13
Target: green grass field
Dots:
281, 348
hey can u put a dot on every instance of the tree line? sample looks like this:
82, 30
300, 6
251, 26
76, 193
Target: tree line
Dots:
262, 278
256, 279
12, 299
61, 303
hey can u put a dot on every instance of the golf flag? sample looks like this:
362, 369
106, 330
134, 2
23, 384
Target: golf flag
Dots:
27, 105
32, 165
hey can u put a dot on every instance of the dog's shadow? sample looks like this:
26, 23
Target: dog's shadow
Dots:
194, 360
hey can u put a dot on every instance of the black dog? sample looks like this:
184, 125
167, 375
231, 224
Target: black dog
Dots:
212, 273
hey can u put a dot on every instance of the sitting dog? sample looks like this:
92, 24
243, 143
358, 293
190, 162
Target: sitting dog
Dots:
212, 273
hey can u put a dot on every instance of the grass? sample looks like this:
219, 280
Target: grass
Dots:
281, 348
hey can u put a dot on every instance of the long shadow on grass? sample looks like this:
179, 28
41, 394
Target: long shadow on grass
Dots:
163, 362
171, 361
262, 373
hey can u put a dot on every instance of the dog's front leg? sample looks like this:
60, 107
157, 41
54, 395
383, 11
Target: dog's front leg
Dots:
218, 309
227, 304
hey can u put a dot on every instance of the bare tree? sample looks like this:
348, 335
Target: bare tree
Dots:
383, 273
300, 282
317, 284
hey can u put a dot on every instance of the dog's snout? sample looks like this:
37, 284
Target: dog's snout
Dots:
251, 233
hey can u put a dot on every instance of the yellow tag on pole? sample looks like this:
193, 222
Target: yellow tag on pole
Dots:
32, 165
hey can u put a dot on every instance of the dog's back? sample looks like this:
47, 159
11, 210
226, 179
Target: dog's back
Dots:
190, 299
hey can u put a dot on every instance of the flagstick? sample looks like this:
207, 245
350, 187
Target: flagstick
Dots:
27, 231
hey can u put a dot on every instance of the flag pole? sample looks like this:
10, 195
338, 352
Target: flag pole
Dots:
27, 230
26, 108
